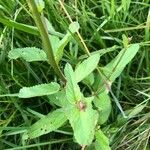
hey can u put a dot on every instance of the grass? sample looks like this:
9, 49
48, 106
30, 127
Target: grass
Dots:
102, 24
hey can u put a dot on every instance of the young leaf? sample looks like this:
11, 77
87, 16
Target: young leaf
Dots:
73, 27
125, 41
29, 54
103, 103
86, 67
46, 124
116, 66
39, 90
102, 142
83, 120
40, 5
72, 89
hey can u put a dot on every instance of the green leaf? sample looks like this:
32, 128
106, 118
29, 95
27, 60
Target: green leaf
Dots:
55, 43
49, 25
46, 124
89, 80
22, 27
35, 113
102, 142
73, 27
125, 41
40, 5
26, 28
39, 90
136, 110
130, 114
103, 103
83, 120
86, 67
61, 45
73, 93
53, 38
116, 66
58, 98
29, 54
100, 52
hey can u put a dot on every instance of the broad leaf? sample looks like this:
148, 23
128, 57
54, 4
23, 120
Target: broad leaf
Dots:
103, 103
89, 80
86, 67
46, 124
58, 98
102, 142
73, 27
72, 89
29, 54
39, 90
113, 69
116, 66
83, 120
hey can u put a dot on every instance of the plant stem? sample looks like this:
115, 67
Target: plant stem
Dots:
80, 37
39, 20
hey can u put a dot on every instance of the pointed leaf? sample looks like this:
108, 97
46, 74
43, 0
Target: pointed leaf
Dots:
40, 5
100, 52
74, 27
46, 124
103, 103
113, 69
49, 25
86, 67
83, 121
130, 114
29, 54
89, 80
53, 38
102, 142
59, 52
72, 89
61, 45
136, 110
116, 66
39, 90
55, 43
